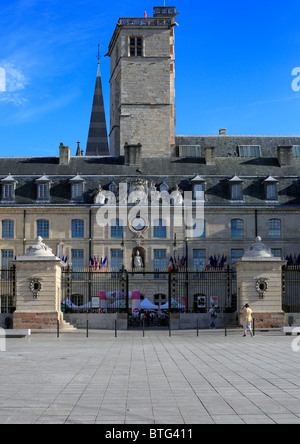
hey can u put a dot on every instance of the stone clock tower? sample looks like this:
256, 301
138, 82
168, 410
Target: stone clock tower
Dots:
142, 94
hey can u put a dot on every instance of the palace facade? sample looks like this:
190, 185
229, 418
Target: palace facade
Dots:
247, 185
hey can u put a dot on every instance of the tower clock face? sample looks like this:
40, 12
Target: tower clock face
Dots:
138, 224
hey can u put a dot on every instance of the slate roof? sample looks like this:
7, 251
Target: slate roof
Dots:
173, 170
97, 143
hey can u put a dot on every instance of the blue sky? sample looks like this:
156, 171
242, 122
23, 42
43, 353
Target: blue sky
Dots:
234, 63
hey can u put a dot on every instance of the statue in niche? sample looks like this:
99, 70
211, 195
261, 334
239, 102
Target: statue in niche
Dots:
138, 261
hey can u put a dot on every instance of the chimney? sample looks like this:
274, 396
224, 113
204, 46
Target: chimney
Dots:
285, 155
64, 154
210, 155
133, 154
222, 131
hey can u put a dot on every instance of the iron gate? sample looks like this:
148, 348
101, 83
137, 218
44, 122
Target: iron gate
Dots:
114, 292
291, 288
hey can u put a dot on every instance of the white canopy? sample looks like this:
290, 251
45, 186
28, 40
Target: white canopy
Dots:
147, 305
174, 304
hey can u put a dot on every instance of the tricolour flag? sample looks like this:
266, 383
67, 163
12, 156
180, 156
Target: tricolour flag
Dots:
170, 264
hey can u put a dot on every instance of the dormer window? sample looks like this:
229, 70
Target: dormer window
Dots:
8, 188
77, 184
271, 188
249, 150
236, 188
198, 184
43, 188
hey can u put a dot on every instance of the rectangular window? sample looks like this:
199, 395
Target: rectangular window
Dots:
7, 229
249, 150
6, 257
77, 263
43, 191
8, 191
237, 229
116, 260
199, 260
77, 190
77, 228
271, 191
296, 150
116, 231
135, 46
189, 151
160, 258
42, 228
160, 229
236, 191
274, 226
198, 191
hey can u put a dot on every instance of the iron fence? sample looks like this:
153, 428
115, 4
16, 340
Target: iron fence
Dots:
125, 291
291, 289
7, 290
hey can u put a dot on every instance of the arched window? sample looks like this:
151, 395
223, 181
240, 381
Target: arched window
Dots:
42, 228
237, 229
274, 226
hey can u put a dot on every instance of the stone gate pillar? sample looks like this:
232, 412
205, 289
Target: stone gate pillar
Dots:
259, 283
38, 288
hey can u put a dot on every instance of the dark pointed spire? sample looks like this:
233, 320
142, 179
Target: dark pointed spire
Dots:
97, 144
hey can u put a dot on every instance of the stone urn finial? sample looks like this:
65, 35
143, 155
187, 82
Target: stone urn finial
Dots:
39, 249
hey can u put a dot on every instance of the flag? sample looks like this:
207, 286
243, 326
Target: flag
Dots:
91, 263
207, 265
145, 14
104, 264
170, 264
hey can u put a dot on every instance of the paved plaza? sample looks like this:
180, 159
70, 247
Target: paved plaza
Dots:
156, 379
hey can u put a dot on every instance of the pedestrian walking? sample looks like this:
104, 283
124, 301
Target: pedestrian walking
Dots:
213, 316
247, 319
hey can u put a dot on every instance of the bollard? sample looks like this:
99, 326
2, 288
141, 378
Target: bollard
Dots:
143, 327
87, 328
116, 328
57, 328
225, 322
197, 327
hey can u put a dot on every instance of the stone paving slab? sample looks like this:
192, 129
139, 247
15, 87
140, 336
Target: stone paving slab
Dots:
156, 379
